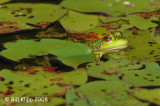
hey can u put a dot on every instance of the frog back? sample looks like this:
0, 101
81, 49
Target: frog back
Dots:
95, 44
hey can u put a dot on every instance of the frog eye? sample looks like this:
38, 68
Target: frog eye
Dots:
107, 38
117, 34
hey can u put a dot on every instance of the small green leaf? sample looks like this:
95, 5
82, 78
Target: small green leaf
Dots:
77, 22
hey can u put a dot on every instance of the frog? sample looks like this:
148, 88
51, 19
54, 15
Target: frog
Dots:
110, 42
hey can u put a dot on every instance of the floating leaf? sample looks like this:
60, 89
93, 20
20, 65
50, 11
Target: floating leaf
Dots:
4, 1
141, 23
43, 82
22, 16
152, 95
131, 101
65, 50
111, 7
39, 81
77, 22
133, 21
99, 93
138, 73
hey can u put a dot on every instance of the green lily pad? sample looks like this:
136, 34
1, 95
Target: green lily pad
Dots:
99, 93
141, 23
133, 21
39, 81
152, 95
131, 101
22, 16
4, 1
111, 7
138, 73
66, 51
110, 19
77, 22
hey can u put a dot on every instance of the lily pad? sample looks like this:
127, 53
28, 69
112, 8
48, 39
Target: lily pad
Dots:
111, 7
66, 51
4, 1
133, 21
152, 95
77, 22
43, 82
99, 93
138, 73
132, 101
141, 23
39, 81
21, 16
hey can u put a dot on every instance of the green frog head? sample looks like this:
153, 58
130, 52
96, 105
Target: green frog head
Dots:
109, 43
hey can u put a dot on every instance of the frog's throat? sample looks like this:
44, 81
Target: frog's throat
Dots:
107, 50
